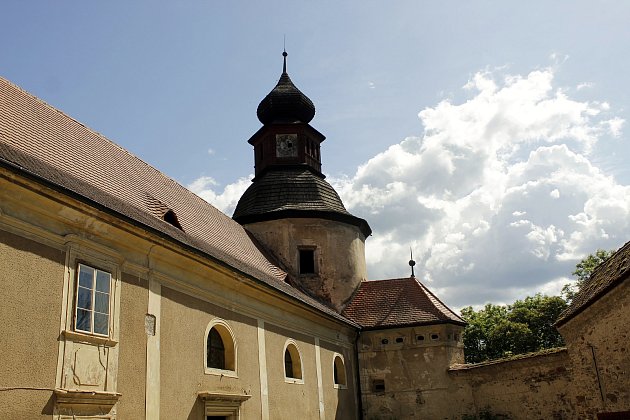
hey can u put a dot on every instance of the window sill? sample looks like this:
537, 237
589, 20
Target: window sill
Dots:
88, 338
340, 386
294, 381
75, 396
221, 372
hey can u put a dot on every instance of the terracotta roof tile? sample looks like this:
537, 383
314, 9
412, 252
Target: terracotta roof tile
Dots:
37, 139
397, 303
606, 276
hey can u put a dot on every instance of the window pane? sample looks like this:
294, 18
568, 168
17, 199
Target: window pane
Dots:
102, 281
288, 364
86, 274
83, 320
101, 302
216, 350
101, 323
84, 298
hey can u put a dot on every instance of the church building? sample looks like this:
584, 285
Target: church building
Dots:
126, 296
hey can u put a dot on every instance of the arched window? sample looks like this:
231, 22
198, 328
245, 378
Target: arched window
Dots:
220, 349
339, 372
216, 350
292, 362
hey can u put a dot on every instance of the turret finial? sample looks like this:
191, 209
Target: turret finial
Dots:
284, 65
412, 263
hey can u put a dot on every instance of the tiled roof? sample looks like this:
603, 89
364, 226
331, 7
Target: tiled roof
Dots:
606, 276
40, 141
397, 303
292, 191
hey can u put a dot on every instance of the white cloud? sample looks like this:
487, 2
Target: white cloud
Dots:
211, 152
585, 85
499, 197
226, 200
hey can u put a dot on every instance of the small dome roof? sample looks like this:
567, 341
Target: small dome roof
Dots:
285, 103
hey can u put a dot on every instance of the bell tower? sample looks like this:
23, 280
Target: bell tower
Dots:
286, 137
292, 210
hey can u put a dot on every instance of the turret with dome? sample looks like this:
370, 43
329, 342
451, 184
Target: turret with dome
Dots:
292, 209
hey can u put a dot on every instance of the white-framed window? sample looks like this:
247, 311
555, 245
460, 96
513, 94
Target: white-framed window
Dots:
219, 349
339, 372
92, 305
292, 363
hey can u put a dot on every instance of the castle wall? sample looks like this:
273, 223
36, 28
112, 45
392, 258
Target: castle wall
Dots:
531, 387
339, 254
409, 378
598, 343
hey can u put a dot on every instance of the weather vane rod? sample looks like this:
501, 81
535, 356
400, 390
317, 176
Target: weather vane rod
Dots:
411, 262
284, 54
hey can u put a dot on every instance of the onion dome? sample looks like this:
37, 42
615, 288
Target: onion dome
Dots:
285, 103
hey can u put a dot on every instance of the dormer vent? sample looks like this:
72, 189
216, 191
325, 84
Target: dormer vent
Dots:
161, 211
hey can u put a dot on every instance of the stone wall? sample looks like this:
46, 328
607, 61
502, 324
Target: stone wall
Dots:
534, 386
599, 348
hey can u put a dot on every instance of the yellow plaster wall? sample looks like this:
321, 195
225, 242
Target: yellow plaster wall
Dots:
291, 400
133, 341
339, 403
31, 283
184, 319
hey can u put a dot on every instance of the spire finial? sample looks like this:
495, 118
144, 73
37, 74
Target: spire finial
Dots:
412, 263
284, 54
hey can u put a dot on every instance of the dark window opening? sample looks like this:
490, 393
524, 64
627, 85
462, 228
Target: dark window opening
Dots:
307, 261
378, 385
216, 350
399, 339
434, 337
420, 338
288, 365
339, 372
384, 341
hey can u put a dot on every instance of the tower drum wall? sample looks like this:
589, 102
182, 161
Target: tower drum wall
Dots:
338, 252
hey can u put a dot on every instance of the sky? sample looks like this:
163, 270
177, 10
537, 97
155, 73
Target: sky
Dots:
491, 138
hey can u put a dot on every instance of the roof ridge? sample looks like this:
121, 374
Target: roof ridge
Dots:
426, 289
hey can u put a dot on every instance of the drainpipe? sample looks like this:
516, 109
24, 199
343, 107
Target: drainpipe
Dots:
358, 374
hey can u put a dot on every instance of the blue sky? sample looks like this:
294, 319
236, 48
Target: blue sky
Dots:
518, 160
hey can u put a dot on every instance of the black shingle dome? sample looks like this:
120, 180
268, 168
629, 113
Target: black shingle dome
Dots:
285, 103
293, 191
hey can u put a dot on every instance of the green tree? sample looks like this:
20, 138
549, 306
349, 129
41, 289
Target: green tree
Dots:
499, 331
583, 271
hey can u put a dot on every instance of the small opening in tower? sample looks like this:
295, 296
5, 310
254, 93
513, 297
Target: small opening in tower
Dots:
307, 261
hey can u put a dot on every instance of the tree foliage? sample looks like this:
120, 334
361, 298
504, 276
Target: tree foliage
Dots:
500, 331
583, 271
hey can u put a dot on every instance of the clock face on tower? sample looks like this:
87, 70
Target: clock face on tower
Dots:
286, 145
